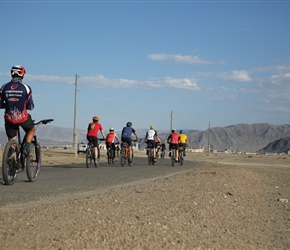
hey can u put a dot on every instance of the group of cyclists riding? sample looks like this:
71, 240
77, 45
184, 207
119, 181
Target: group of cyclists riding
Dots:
175, 140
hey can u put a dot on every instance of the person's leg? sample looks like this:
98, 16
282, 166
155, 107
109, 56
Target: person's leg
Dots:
130, 152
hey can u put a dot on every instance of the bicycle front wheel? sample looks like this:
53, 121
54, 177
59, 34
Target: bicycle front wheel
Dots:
9, 170
33, 162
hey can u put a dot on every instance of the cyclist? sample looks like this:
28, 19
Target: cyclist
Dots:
162, 147
16, 99
183, 141
126, 137
92, 134
173, 140
151, 138
110, 141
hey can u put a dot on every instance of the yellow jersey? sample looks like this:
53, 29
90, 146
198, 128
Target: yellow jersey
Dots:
182, 138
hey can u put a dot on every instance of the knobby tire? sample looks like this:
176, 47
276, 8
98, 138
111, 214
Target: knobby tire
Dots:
89, 157
181, 157
9, 170
173, 158
123, 156
33, 162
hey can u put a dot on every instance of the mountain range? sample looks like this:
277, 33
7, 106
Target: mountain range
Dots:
263, 138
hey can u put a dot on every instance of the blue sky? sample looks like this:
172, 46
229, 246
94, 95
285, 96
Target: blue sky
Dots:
217, 62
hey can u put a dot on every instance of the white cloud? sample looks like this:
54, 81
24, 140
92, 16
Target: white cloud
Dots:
235, 75
186, 59
100, 81
280, 79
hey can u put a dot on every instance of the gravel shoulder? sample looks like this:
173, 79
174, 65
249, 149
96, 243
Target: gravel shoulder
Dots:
234, 203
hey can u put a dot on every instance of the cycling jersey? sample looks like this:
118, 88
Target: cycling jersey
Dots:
127, 132
150, 134
173, 138
93, 129
16, 98
111, 137
183, 138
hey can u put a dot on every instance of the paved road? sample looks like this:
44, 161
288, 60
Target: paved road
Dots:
55, 181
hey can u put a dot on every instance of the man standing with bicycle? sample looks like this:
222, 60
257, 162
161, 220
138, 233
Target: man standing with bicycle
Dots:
92, 134
16, 99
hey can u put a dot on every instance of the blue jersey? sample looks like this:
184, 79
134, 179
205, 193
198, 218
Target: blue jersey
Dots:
16, 98
127, 132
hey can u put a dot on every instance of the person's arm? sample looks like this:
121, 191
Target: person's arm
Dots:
168, 139
117, 138
146, 137
103, 134
2, 102
137, 138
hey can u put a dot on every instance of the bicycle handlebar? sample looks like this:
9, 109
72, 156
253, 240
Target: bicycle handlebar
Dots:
45, 121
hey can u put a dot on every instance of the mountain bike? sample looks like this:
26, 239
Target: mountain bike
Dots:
125, 154
110, 154
90, 154
14, 161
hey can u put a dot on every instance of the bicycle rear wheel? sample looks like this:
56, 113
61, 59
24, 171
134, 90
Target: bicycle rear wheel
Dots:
110, 156
181, 157
149, 157
97, 160
89, 157
9, 170
33, 162
123, 156
173, 158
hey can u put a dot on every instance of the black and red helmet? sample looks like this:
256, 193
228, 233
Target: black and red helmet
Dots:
18, 71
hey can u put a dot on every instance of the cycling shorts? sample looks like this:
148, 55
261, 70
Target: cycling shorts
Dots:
182, 145
11, 129
128, 140
110, 145
151, 144
173, 146
94, 139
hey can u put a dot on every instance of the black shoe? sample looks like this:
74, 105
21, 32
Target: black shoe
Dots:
26, 148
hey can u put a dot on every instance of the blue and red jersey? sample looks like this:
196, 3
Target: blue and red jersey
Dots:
16, 98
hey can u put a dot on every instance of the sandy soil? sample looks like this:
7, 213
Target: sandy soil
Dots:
236, 203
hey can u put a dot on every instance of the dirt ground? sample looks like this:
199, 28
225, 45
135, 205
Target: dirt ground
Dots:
237, 202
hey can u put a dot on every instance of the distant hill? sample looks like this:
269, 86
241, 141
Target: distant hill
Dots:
279, 146
237, 138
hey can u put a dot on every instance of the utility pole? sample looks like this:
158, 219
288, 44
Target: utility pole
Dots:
208, 142
75, 135
171, 121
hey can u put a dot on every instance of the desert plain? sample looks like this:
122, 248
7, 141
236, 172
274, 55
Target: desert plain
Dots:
231, 202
